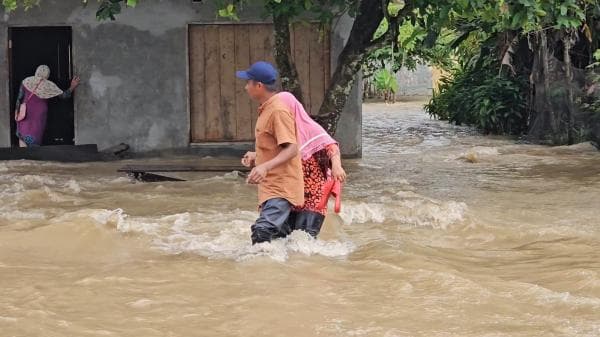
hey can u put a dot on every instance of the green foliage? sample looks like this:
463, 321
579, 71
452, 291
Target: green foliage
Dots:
11, 5
385, 81
477, 94
107, 9
394, 7
324, 11
532, 15
443, 32
405, 51
228, 11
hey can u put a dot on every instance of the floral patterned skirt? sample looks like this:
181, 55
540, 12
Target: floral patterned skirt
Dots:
314, 180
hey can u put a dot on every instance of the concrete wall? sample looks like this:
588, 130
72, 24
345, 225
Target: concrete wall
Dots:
349, 129
415, 83
134, 70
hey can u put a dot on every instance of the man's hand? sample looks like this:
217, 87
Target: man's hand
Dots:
257, 175
249, 159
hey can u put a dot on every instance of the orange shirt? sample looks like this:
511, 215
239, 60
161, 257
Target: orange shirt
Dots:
275, 126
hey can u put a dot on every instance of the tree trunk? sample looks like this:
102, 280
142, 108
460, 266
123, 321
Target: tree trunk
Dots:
350, 60
370, 14
337, 94
546, 73
568, 43
360, 43
283, 56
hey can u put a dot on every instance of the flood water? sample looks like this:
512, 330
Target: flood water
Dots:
443, 232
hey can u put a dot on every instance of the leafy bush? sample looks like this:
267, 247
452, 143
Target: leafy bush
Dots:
386, 81
478, 94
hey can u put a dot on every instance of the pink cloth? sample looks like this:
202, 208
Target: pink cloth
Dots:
312, 138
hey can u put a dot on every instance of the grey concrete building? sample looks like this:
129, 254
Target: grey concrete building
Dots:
161, 76
418, 82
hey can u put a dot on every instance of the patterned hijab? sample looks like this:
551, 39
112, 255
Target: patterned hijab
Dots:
45, 88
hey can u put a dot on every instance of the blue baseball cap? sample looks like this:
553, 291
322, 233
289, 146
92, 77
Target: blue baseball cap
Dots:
260, 71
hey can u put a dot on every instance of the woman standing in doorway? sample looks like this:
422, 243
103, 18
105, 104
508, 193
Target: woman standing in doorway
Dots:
34, 93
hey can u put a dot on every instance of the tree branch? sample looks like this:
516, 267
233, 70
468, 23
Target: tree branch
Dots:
393, 29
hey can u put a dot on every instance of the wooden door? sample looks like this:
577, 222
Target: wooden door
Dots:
219, 106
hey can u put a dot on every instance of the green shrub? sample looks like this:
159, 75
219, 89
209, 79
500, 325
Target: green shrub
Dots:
481, 96
385, 81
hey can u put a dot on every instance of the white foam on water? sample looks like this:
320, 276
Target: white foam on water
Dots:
138, 225
55, 196
339, 327
30, 179
7, 319
229, 176
546, 296
63, 323
11, 191
124, 223
410, 208
424, 214
20, 215
73, 186
402, 182
302, 242
99, 217
486, 151
435, 141
105, 216
359, 213
119, 181
297, 242
212, 235
19, 163
142, 303
233, 175
369, 166
99, 332
227, 236
113, 279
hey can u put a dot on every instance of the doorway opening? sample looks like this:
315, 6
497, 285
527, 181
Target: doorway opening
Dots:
34, 46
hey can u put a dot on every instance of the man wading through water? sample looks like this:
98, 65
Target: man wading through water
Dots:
277, 167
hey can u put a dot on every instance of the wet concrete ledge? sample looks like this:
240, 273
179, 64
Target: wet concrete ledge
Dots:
60, 153
217, 150
90, 153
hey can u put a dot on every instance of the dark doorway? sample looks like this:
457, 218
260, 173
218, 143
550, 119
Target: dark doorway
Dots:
31, 47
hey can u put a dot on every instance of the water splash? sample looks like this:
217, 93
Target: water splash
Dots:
408, 208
